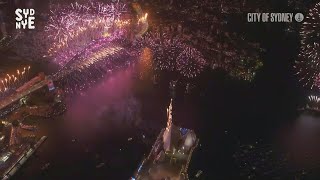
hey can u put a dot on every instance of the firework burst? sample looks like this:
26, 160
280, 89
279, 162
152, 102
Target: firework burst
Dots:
70, 29
317, 81
240, 62
10, 82
190, 63
145, 62
166, 53
307, 66
313, 103
94, 63
170, 53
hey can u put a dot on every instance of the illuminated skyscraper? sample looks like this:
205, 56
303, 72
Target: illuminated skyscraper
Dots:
168, 132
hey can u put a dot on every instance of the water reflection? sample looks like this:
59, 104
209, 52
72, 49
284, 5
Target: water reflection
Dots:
303, 141
108, 104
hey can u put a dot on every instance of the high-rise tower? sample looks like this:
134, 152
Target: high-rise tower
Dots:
168, 132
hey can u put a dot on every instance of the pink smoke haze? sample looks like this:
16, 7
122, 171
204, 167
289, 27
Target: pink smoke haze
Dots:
86, 112
302, 141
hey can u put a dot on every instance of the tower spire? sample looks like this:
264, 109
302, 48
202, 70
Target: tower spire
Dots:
169, 115
167, 133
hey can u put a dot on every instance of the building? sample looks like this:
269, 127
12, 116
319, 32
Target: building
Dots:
170, 155
167, 144
4, 157
15, 134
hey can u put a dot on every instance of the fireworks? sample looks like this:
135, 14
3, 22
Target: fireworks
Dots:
72, 28
142, 21
312, 105
241, 62
228, 51
246, 68
317, 81
190, 63
97, 60
315, 99
170, 53
148, 40
313, 102
12, 81
85, 40
145, 62
166, 54
307, 66
231, 52
121, 24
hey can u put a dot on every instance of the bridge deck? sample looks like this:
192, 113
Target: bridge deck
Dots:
16, 96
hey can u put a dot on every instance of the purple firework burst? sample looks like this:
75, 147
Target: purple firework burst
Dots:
190, 63
308, 66
166, 54
71, 28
